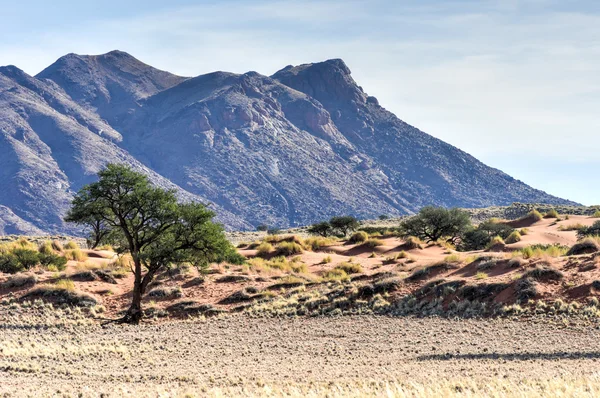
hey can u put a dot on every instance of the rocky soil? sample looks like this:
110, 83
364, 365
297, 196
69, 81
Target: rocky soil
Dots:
54, 354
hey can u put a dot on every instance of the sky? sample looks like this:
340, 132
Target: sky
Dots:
515, 83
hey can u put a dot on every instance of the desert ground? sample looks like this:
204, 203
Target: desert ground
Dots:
310, 316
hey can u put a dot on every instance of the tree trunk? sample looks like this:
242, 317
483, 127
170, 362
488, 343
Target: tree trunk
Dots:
134, 313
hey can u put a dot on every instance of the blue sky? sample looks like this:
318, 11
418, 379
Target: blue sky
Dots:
514, 83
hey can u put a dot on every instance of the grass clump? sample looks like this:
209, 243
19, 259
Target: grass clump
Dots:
534, 215
46, 248
265, 248
543, 273
76, 255
412, 242
373, 243
19, 281
71, 245
288, 249
571, 227
596, 214
350, 268
358, 237
481, 275
552, 213
453, 258
57, 246
495, 242
65, 284
514, 237
540, 251
317, 242
326, 260
335, 275
585, 246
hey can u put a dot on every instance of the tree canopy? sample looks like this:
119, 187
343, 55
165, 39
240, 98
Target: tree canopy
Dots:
124, 208
433, 223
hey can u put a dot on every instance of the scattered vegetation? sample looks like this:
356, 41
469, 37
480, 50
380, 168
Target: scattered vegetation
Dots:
358, 237
350, 268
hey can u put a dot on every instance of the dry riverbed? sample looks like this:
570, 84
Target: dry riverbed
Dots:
46, 352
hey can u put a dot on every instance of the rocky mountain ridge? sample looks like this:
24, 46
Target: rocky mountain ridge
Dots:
289, 149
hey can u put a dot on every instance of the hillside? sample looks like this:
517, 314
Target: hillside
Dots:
299, 146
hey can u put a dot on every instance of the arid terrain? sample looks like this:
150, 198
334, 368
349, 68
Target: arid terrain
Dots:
313, 316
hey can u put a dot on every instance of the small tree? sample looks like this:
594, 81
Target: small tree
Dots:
262, 227
433, 223
151, 225
344, 224
322, 228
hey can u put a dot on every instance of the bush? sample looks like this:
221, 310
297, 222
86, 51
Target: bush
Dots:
19, 281
412, 242
46, 248
317, 243
9, 264
543, 272
76, 255
350, 268
326, 260
592, 230
586, 246
434, 223
264, 249
596, 214
262, 227
47, 260
71, 245
323, 229
514, 237
335, 274
534, 215
273, 231
288, 249
344, 224
358, 237
479, 238
496, 241
552, 213
26, 258
372, 243
526, 289
383, 217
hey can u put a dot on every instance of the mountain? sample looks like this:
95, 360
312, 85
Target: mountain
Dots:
299, 146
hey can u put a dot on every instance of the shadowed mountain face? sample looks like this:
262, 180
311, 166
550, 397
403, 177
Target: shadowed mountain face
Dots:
299, 146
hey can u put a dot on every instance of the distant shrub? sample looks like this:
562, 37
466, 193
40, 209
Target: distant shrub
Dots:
46, 248
373, 243
543, 272
592, 230
323, 229
479, 238
434, 223
383, 217
273, 231
571, 227
262, 227
71, 245
316, 243
335, 274
534, 215
264, 249
27, 258
161, 292
52, 260
288, 249
358, 237
76, 255
496, 241
541, 250
596, 214
65, 284
344, 224
552, 213
326, 260
587, 245
350, 268
481, 275
514, 237
524, 231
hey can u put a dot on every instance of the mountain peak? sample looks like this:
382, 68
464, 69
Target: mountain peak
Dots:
328, 81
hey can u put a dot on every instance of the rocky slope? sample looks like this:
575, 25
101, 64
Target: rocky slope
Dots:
299, 146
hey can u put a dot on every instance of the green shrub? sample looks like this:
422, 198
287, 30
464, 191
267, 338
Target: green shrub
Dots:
46, 248
323, 229
372, 243
350, 268
9, 264
434, 223
264, 249
358, 237
592, 230
52, 260
596, 214
27, 258
71, 245
262, 227
288, 249
514, 237
479, 238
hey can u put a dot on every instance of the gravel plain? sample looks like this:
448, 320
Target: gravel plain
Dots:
68, 355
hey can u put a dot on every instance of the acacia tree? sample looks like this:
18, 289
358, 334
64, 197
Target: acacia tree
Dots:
151, 225
344, 224
433, 223
86, 212
322, 228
